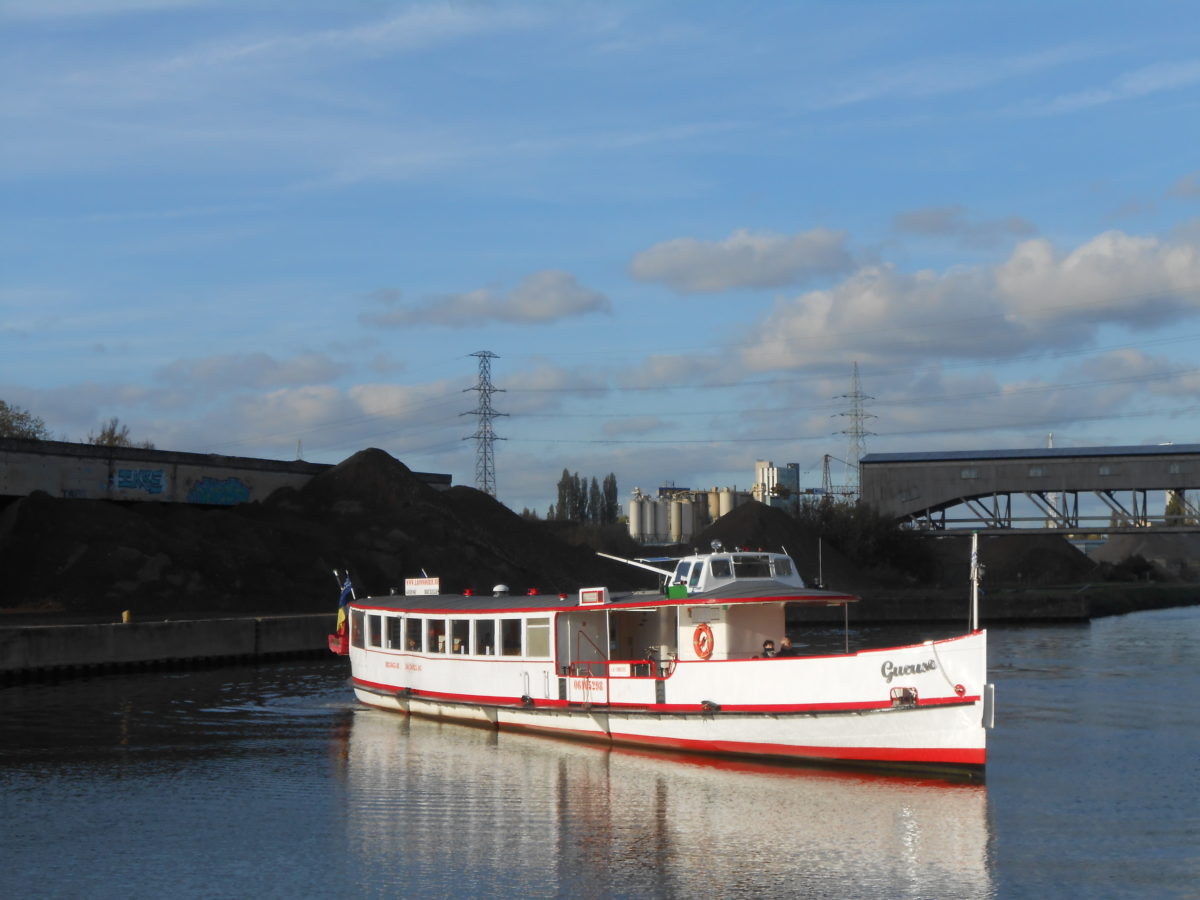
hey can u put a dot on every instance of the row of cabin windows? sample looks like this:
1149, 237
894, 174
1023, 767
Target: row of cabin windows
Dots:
473, 637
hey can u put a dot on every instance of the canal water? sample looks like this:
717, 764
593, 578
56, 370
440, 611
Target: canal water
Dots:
270, 781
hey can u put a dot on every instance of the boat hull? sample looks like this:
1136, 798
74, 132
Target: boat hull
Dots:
945, 737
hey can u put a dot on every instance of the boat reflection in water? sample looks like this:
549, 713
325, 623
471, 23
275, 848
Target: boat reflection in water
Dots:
436, 809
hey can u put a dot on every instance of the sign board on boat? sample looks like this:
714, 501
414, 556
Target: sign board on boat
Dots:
592, 596
422, 587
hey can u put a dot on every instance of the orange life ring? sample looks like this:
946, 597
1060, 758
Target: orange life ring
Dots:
702, 641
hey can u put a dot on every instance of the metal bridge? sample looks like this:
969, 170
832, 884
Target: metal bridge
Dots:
974, 489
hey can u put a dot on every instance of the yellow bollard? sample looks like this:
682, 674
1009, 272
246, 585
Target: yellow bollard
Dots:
127, 616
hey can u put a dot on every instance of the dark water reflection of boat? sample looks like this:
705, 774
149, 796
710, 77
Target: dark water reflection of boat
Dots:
432, 805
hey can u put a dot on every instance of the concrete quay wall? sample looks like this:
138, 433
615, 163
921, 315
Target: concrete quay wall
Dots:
42, 648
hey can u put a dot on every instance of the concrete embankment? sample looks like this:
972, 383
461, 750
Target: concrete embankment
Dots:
63, 648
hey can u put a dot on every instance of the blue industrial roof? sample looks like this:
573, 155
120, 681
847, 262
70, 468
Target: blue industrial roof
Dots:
1033, 453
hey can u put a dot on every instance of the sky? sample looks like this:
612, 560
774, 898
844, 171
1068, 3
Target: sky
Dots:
284, 228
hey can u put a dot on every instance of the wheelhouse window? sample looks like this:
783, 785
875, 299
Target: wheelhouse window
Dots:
720, 568
460, 635
375, 631
510, 637
681, 573
485, 637
394, 629
357, 627
537, 637
782, 566
751, 567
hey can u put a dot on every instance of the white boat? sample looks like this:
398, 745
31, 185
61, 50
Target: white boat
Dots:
681, 668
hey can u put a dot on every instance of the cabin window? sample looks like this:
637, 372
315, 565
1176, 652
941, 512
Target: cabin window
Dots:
697, 569
782, 566
460, 635
394, 624
720, 568
537, 637
356, 628
1037, 471
969, 473
510, 637
1174, 469
751, 567
437, 636
485, 637
681, 573
375, 631
1108, 470
414, 631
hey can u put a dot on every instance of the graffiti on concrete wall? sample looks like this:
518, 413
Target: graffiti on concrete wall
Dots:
219, 491
150, 481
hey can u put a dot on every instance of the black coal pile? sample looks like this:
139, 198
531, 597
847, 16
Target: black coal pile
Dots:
1013, 560
369, 514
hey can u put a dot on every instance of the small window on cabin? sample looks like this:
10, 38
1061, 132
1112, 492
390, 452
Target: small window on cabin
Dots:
375, 631
697, 570
414, 631
1174, 469
485, 637
1108, 470
969, 473
357, 625
510, 637
437, 636
537, 637
720, 568
681, 573
782, 566
460, 635
393, 632
751, 567
1037, 471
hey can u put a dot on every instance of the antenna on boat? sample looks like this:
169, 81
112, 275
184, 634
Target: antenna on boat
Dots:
976, 575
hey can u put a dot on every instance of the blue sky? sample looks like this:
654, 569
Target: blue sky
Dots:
244, 227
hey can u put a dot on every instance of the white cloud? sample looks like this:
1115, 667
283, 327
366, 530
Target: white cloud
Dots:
250, 370
743, 260
1187, 186
952, 221
1153, 79
540, 298
1039, 298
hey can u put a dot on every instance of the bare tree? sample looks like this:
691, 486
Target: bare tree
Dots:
20, 423
114, 433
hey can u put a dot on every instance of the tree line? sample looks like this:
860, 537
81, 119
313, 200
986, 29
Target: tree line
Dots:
16, 422
593, 503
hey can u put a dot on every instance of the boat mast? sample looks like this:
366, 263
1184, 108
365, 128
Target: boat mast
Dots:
976, 574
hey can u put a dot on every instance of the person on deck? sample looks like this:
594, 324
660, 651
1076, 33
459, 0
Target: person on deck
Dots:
786, 648
768, 648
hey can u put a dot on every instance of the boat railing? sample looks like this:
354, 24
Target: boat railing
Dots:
615, 668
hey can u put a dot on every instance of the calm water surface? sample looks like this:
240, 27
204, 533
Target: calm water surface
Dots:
270, 782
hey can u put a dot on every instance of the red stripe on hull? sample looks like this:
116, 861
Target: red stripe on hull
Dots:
771, 708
